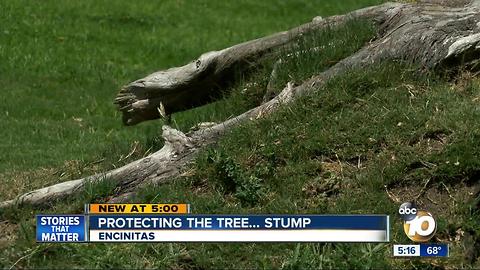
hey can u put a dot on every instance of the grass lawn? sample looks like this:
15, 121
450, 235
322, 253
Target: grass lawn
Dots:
364, 143
62, 65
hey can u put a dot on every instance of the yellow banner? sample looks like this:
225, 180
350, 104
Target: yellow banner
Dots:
114, 208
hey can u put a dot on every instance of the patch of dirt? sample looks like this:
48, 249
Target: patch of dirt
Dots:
331, 180
329, 184
342, 167
440, 199
334, 167
322, 187
431, 142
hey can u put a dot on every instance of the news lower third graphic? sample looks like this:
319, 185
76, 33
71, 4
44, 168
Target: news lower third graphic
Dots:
420, 227
174, 223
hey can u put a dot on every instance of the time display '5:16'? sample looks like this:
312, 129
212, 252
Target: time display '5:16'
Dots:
406, 250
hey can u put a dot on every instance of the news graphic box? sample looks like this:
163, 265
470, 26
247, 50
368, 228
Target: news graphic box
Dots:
421, 250
61, 228
238, 228
406, 250
141, 208
434, 250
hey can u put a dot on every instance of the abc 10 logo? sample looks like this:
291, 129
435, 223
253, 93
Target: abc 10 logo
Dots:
418, 225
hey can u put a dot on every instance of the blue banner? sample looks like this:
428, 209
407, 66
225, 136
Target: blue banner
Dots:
239, 222
61, 228
433, 250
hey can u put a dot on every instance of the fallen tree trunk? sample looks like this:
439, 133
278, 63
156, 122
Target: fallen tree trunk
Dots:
435, 36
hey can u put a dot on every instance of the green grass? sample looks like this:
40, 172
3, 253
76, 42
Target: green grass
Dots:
334, 151
330, 152
62, 65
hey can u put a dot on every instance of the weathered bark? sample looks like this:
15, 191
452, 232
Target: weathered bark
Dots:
436, 37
